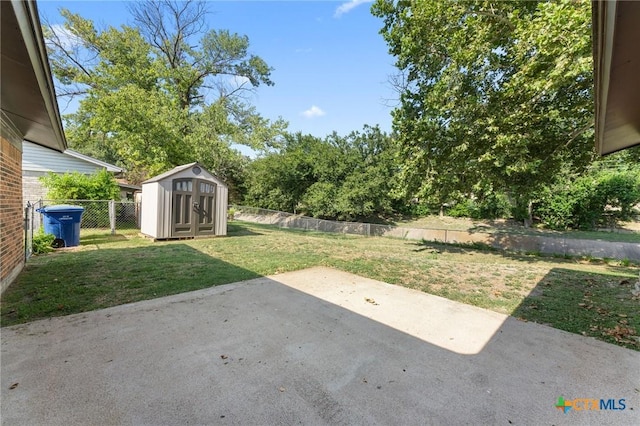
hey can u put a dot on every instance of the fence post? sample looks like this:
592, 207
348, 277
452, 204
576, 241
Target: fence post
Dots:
26, 232
112, 216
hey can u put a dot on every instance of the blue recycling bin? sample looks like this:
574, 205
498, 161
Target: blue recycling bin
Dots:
63, 221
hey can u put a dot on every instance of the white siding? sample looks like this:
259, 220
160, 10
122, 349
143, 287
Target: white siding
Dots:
164, 208
149, 220
37, 158
222, 201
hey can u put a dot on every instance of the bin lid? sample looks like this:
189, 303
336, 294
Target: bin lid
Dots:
61, 208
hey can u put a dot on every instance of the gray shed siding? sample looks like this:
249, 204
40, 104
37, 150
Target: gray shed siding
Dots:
157, 200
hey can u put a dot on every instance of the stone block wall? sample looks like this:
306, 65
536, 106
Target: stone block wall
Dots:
32, 189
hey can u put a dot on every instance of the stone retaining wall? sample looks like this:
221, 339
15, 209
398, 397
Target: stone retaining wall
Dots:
502, 241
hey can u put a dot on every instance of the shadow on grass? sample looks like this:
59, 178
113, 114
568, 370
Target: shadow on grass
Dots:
104, 238
591, 304
73, 282
534, 251
237, 230
295, 231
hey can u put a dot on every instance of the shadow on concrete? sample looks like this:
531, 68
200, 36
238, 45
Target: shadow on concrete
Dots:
275, 350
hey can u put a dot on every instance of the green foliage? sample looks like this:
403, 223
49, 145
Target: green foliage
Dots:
320, 200
461, 209
494, 206
492, 94
76, 186
42, 242
339, 177
598, 198
163, 92
487, 206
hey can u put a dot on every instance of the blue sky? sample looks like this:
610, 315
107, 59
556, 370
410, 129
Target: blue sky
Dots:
331, 64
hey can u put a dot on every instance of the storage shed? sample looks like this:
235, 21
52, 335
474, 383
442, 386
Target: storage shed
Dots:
185, 202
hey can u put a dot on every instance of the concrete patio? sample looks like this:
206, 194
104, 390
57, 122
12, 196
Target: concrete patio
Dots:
317, 346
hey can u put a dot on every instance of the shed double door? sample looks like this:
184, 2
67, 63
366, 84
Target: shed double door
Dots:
193, 208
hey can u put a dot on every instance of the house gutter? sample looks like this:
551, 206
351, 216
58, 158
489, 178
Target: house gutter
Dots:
26, 13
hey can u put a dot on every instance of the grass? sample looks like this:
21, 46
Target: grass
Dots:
629, 232
585, 297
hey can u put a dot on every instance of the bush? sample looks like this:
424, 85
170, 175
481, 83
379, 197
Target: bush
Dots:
492, 206
596, 199
231, 213
42, 242
462, 209
75, 186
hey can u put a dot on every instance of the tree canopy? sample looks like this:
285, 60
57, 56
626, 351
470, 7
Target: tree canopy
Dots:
162, 92
494, 96
336, 177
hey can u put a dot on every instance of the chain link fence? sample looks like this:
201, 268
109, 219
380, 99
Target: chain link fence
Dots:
498, 240
290, 220
98, 214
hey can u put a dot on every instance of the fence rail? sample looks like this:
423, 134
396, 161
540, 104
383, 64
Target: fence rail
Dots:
98, 214
290, 220
504, 241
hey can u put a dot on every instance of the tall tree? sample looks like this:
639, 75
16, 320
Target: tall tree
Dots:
336, 177
163, 92
494, 96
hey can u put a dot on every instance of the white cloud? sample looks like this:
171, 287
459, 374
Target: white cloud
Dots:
312, 112
348, 6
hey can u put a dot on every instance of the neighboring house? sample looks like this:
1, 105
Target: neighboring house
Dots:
37, 161
29, 111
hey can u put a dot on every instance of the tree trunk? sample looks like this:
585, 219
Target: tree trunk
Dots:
528, 221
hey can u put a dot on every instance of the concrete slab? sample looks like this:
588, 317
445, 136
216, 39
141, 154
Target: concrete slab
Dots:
317, 346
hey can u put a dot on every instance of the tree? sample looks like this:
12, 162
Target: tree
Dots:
162, 93
339, 177
494, 96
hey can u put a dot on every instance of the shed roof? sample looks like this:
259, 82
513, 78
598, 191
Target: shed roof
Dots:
179, 169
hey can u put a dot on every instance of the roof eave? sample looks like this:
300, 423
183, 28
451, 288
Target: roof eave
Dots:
616, 36
28, 24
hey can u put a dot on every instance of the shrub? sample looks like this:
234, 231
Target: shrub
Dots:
492, 206
597, 198
231, 213
42, 242
462, 209
75, 186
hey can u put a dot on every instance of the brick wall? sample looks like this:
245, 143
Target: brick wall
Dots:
11, 212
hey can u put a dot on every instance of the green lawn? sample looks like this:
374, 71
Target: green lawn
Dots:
578, 296
627, 232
